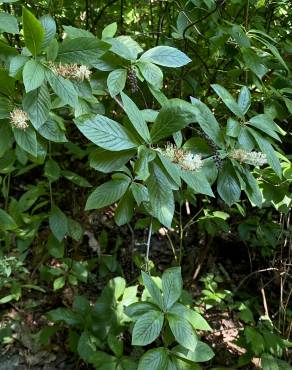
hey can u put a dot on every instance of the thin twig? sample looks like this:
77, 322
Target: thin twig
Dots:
148, 246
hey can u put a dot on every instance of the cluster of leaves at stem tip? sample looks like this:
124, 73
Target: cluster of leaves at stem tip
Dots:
147, 155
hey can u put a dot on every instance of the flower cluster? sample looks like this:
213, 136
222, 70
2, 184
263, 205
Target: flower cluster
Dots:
19, 119
71, 71
186, 160
253, 158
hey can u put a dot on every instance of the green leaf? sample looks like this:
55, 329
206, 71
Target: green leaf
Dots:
173, 169
174, 116
171, 286
107, 193
267, 148
228, 100
110, 30
73, 32
182, 331
228, 185
252, 189
197, 181
244, 99
239, 36
86, 346
63, 88
194, 318
135, 117
8, 23
105, 132
50, 130
106, 161
6, 221
33, 32
52, 170
58, 223
140, 193
144, 157
233, 127
125, 209
161, 196
5, 107
63, 314
27, 140
254, 63
147, 328
76, 179
116, 345
266, 125
154, 359
153, 289
49, 26
16, 65
116, 81
135, 310
33, 75
166, 56
59, 283
255, 339
151, 73
125, 47
208, 122
82, 50
201, 353
37, 104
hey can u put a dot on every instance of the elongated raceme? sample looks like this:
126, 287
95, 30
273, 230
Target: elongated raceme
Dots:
254, 158
71, 71
187, 160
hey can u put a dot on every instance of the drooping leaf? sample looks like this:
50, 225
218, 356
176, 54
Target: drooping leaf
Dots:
49, 26
27, 140
6, 221
107, 161
63, 88
161, 196
155, 359
228, 185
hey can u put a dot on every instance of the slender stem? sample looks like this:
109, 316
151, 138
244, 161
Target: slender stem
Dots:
181, 236
148, 246
172, 248
8, 190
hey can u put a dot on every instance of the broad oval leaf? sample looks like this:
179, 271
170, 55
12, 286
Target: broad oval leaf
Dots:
171, 286
228, 185
116, 81
182, 331
147, 328
33, 75
8, 23
153, 289
154, 359
161, 196
37, 104
107, 193
105, 132
82, 50
174, 116
6, 221
166, 56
